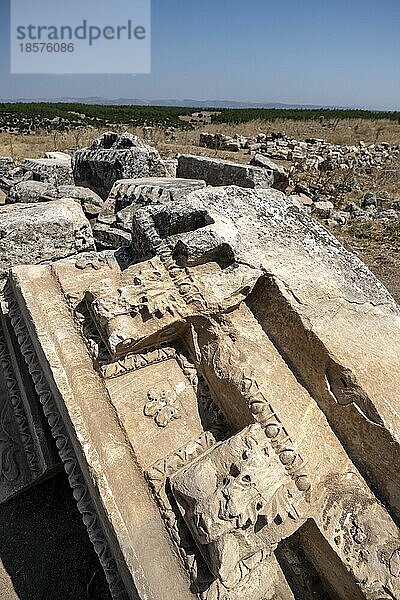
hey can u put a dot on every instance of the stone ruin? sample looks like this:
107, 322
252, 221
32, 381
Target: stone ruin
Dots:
308, 154
222, 393
319, 173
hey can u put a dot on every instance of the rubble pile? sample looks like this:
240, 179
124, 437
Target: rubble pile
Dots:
120, 172
310, 154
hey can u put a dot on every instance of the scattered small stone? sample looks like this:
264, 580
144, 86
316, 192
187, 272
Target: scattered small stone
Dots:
323, 209
369, 200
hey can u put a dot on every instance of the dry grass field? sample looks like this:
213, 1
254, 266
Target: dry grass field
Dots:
346, 131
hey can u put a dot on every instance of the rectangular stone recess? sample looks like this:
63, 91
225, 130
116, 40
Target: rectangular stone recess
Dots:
132, 392
317, 574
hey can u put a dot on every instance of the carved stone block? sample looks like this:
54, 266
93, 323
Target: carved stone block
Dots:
112, 157
239, 498
195, 430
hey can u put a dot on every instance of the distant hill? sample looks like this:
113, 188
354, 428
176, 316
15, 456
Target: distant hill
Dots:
187, 102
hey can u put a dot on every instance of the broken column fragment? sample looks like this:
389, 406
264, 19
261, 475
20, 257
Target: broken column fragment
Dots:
112, 157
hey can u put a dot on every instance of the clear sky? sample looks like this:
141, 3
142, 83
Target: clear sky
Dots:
325, 52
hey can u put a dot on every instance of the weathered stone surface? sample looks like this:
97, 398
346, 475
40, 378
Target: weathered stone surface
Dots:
39, 233
57, 171
27, 450
126, 195
171, 165
322, 299
112, 157
6, 165
110, 236
30, 192
38, 191
90, 201
197, 398
280, 177
148, 190
14, 176
218, 172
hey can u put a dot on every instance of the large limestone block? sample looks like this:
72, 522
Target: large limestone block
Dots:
218, 172
39, 191
31, 192
115, 157
40, 233
202, 466
216, 405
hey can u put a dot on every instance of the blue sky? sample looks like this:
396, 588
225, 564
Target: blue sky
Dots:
343, 53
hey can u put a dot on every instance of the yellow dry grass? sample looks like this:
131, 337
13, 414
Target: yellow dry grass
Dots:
341, 132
